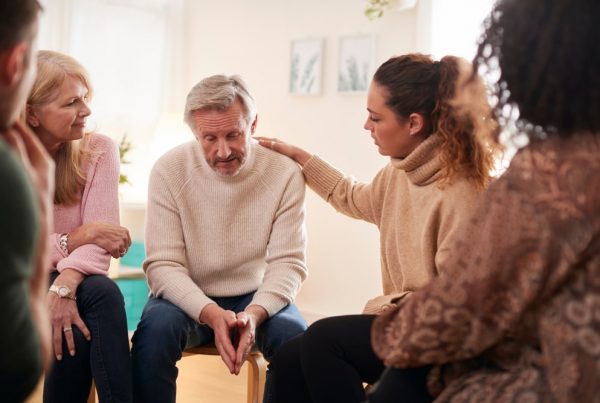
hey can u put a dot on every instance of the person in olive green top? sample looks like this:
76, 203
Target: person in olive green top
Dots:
26, 174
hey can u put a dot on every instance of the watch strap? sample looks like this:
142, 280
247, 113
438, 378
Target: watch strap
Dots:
63, 241
56, 289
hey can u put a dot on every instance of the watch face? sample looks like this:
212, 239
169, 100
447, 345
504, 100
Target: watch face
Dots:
63, 291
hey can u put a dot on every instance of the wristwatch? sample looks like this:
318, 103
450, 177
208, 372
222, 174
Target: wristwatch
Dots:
62, 291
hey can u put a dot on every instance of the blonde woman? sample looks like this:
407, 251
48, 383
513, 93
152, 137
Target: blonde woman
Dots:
89, 327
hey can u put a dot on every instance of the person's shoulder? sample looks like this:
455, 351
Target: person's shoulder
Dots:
460, 194
100, 142
275, 162
178, 157
12, 171
100, 148
5, 153
463, 185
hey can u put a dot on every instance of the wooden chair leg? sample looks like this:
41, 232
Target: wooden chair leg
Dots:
92, 396
257, 370
257, 374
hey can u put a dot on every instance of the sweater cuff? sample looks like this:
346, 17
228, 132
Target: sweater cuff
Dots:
321, 177
377, 305
193, 304
270, 302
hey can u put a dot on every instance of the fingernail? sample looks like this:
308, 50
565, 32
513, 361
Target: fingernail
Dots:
72, 352
59, 357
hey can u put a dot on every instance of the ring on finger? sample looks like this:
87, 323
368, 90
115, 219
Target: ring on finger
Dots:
67, 329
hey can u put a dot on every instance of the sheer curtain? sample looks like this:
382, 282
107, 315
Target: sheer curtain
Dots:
456, 26
133, 51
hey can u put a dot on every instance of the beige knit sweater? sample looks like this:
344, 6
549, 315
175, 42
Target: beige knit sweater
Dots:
416, 219
214, 236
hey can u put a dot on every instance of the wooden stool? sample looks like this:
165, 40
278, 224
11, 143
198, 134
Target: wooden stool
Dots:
92, 396
257, 370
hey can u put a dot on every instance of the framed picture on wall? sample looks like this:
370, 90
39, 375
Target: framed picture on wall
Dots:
356, 63
306, 66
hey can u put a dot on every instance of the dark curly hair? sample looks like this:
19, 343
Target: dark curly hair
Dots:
417, 84
548, 52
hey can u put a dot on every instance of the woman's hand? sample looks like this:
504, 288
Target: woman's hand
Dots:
64, 313
294, 152
110, 237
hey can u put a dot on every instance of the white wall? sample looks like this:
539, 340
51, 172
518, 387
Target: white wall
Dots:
252, 38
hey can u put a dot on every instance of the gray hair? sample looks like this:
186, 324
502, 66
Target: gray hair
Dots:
219, 92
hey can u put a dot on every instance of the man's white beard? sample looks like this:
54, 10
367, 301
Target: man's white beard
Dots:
249, 151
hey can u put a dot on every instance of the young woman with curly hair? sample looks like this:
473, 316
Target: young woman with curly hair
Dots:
517, 315
437, 169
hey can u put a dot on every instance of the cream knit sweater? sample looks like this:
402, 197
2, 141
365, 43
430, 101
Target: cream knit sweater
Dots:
214, 236
416, 219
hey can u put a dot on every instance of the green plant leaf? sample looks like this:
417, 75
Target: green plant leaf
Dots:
124, 148
373, 14
375, 8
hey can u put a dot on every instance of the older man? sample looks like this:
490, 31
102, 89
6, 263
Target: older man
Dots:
27, 178
225, 240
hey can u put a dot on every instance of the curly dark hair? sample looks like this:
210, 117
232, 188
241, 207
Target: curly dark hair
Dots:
415, 83
548, 52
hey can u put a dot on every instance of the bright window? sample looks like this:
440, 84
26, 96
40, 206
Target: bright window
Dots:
456, 26
132, 50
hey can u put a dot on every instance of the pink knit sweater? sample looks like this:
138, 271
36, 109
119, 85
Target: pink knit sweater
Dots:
99, 202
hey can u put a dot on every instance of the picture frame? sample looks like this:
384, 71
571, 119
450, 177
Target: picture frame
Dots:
306, 66
356, 63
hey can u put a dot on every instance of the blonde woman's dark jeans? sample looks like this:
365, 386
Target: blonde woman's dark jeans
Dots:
105, 358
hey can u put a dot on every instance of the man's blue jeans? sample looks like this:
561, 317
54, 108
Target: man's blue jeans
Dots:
165, 331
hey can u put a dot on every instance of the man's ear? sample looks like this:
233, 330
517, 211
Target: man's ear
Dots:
415, 123
13, 64
253, 126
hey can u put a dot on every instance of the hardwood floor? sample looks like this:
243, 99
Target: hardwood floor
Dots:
206, 379
202, 379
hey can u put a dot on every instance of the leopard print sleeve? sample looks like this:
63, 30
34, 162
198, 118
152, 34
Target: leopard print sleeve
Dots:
522, 242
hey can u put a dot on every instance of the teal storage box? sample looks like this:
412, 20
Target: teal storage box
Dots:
134, 258
135, 292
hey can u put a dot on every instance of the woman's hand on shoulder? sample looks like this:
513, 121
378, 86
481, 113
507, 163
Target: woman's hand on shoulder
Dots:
296, 153
110, 237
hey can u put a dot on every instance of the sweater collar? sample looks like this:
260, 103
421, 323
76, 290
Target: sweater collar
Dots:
422, 165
